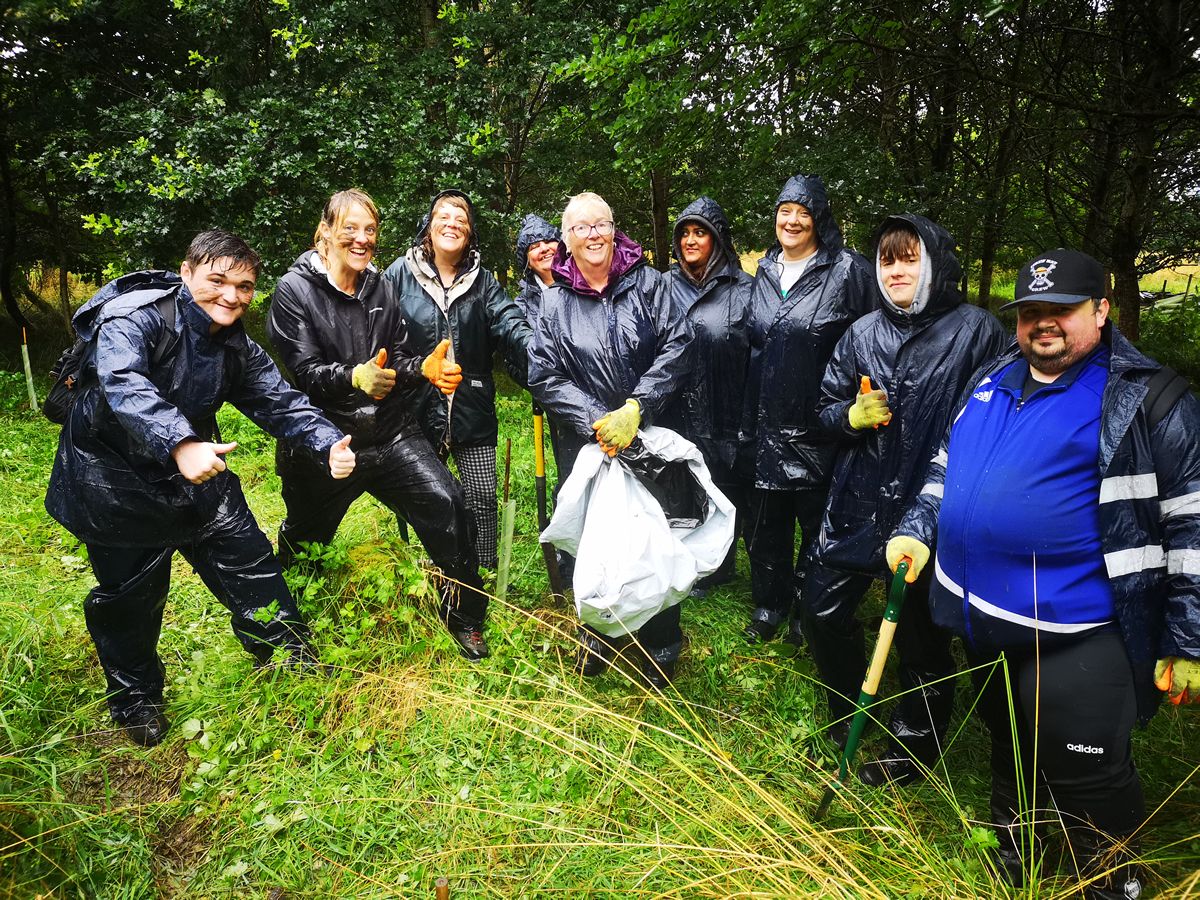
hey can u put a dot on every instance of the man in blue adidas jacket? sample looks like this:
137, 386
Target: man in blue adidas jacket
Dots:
1067, 519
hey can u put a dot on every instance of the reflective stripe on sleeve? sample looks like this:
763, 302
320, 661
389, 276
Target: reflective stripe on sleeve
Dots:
1128, 487
1183, 562
934, 490
1134, 560
1186, 505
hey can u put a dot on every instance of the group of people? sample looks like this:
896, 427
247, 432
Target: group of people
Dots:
1045, 492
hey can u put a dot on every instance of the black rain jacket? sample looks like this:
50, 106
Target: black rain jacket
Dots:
923, 361
114, 482
321, 334
593, 351
718, 308
529, 293
479, 320
791, 341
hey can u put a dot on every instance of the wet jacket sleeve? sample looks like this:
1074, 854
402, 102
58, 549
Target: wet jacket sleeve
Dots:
662, 382
123, 350
921, 519
509, 329
277, 408
1177, 465
295, 337
551, 386
839, 388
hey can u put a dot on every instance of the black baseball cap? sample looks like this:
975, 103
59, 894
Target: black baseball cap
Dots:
1059, 276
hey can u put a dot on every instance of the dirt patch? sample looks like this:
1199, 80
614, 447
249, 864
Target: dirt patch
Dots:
124, 778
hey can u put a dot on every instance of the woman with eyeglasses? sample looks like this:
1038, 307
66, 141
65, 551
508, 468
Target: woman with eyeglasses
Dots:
609, 354
448, 299
339, 331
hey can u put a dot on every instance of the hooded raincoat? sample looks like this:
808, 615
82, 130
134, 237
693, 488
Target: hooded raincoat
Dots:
116, 487
718, 307
792, 339
529, 294
114, 482
923, 359
479, 319
592, 351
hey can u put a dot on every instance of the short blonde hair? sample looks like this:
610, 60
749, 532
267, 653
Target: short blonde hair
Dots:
338, 207
574, 212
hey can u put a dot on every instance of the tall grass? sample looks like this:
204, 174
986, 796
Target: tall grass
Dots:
512, 777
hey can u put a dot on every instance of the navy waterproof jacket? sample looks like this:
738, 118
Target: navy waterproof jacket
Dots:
791, 341
480, 319
321, 334
718, 307
114, 482
593, 351
923, 361
529, 293
1149, 506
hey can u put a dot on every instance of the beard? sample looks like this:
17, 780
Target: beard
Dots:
1052, 362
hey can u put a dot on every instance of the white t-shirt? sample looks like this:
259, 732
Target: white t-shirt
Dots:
792, 270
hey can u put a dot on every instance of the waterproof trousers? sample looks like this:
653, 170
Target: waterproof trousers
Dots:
1073, 708
777, 571
124, 612
406, 477
926, 667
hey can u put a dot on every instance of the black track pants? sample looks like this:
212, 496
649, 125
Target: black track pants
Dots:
124, 611
406, 477
926, 666
1074, 709
776, 571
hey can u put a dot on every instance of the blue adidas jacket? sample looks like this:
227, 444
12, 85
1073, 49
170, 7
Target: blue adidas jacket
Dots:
1148, 510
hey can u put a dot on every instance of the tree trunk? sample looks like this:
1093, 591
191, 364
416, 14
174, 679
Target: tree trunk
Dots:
662, 225
8, 244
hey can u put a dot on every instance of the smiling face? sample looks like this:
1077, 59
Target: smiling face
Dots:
795, 231
539, 257
350, 242
695, 247
1054, 336
450, 230
899, 257
223, 288
592, 249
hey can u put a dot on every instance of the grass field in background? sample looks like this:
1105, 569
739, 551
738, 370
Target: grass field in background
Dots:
511, 777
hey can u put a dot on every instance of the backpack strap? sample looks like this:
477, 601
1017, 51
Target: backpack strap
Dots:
166, 308
1164, 389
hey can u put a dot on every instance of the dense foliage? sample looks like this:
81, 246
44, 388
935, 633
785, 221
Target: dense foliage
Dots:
125, 127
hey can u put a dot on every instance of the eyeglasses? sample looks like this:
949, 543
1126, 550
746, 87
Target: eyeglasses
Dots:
581, 231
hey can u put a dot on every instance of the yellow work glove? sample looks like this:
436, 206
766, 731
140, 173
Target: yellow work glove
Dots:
901, 547
1180, 678
616, 430
870, 409
372, 378
442, 374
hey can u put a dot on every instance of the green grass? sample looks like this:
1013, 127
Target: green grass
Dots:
513, 778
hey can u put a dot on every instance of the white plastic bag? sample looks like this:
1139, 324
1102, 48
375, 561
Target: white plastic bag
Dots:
630, 564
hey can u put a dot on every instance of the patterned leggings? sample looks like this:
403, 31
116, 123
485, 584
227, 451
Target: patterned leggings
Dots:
477, 473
